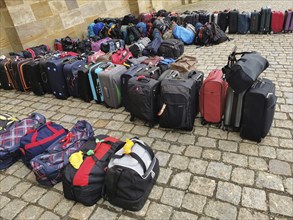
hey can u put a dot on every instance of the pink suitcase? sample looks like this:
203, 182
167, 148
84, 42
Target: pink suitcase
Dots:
277, 21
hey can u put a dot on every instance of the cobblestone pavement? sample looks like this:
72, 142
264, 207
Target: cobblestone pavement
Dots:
207, 173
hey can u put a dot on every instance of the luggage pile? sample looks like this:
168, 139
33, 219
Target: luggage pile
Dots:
89, 166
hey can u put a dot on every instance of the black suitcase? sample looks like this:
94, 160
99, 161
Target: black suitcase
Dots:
265, 20
5, 69
179, 101
254, 22
223, 20
83, 85
142, 99
44, 72
21, 78
204, 17
258, 110
149, 72
233, 21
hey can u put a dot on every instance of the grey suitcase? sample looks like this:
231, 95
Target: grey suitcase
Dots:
233, 110
111, 85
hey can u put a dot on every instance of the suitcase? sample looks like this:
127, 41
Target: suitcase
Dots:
5, 74
142, 99
44, 73
179, 101
233, 110
277, 21
21, 78
212, 97
223, 20
70, 69
171, 48
258, 110
265, 21
243, 22
233, 21
254, 22
131, 72
83, 85
169, 74
204, 17
111, 85
288, 23
93, 76
215, 17
149, 72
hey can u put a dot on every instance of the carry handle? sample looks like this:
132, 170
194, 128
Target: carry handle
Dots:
142, 78
48, 124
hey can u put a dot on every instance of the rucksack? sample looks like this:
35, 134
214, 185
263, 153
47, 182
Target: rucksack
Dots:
6, 121
90, 30
219, 35
10, 139
48, 166
142, 27
129, 19
98, 27
115, 32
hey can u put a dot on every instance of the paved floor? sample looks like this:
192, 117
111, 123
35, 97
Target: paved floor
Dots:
207, 173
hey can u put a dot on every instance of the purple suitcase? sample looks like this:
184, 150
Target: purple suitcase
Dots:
288, 24
96, 46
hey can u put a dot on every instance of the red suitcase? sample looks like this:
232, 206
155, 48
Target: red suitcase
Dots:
277, 21
212, 97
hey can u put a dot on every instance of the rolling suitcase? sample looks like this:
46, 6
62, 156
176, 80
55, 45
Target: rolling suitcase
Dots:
212, 97
93, 76
288, 23
142, 99
83, 85
265, 21
233, 21
277, 21
5, 69
254, 22
70, 69
111, 85
215, 17
223, 20
149, 72
44, 73
243, 22
21, 78
258, 110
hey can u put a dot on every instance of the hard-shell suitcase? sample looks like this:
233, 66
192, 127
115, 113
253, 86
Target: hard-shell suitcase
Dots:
21, 78
93, 76
223, 20
265, 20
111, 85
142, 99
258, 110
212, 97
277, 21
149, 72
243, 22
288, 23
131, 72
70, 70
233, 110
254, 22
5, 78
83, 86
233, 21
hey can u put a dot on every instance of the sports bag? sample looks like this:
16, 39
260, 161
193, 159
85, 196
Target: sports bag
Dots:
121, 56
6, 121
183, 34
130, 175
48, 165
10, 139
244, 71
37, 140
84, 176
171, 48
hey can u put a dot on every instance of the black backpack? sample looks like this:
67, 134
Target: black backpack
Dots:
83, 46
68, 44
129, 19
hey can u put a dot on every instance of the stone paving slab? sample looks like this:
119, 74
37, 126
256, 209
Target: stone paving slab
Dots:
204, 174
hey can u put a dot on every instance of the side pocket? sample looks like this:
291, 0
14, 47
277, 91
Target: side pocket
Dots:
269, 113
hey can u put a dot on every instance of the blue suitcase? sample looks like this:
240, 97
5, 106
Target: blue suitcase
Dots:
243, 22
95, 82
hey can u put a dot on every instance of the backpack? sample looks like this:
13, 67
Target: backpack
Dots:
204, 34
90, 30
219, 35
84, 176
98, 27
10, 139
83, 46
37, 140
142, 27
48, 166
6, 121
183, 34
129, 19
68, 44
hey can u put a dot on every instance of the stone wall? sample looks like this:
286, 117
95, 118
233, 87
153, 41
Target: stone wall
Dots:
26, 23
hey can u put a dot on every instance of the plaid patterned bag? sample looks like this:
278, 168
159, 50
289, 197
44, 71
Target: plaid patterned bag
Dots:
48, 166
10, 139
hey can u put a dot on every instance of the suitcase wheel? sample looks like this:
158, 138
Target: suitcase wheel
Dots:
132, 118
203, 122
219, 125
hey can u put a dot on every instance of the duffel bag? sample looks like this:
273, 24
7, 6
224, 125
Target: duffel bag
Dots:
183, 34
171, 48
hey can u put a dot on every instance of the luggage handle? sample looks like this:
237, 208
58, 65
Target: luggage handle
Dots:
142, 78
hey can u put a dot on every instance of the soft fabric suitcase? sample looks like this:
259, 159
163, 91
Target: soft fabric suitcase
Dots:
204, 17
212, 97
277, 21
83, 179
223, 20
254, 22
83, 85
265, 21
288, 23
149, 72
21, 79
233, 110
169, 74
131, 174
111, 85
258, 110
243, 22
171, 48
44, 73
70, 69
142, 99
131, 72
233, 21
5, 75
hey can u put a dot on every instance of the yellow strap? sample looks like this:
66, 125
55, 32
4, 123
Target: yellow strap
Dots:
128, 146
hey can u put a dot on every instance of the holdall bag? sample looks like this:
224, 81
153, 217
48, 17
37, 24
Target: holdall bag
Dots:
34, 52
112, 45
184, 64
84, 176
10, 139
256, 121
242, 73
171, 48
96, 46
37, 140
6, 121
121, 56
130, 175
183, 34
212, 97
48, 166
254, 22
243, 22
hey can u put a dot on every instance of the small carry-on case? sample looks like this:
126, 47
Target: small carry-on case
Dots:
111, 85
277, 21
131, 174
258, 110
149, 72
70, 69
84, 176
5, 69
212, 97
288, 23
243, 22
142, 99
233, 21
254, 22
83, 85
265, 21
